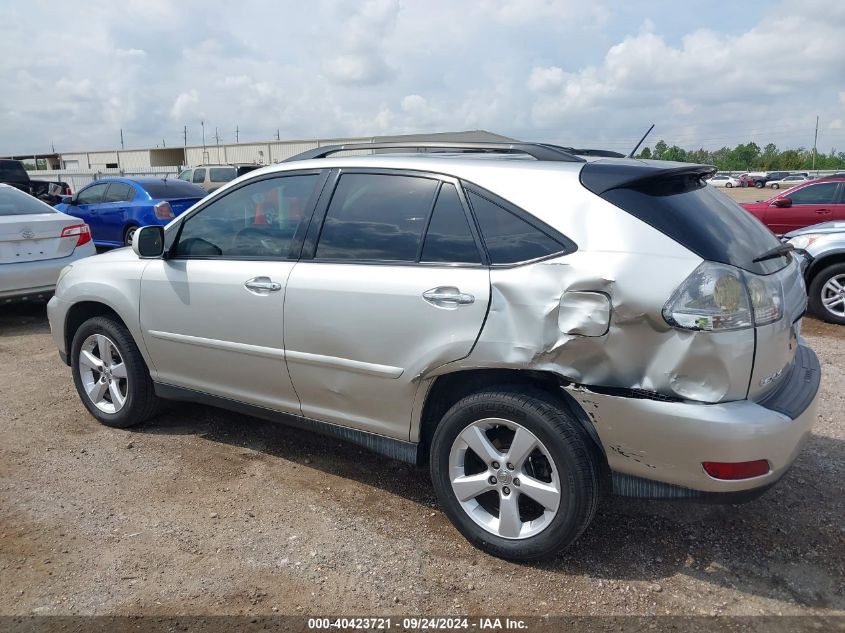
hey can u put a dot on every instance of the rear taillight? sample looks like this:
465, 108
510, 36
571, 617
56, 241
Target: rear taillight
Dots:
164, 211
80, 231
736, 470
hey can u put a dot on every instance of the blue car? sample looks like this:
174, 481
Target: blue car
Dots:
114, 208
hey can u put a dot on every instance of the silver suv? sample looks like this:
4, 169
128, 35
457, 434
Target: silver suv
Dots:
540, 327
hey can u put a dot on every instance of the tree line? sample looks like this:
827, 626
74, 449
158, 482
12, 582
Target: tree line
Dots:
748, 157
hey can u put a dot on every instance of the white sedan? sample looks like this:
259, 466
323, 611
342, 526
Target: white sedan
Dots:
36, 242
789, 181
723, 180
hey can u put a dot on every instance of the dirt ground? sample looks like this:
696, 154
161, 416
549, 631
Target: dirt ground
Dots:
207, 512
750, 194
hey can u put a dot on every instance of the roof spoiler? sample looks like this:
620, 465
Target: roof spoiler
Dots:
539, 151
601, 176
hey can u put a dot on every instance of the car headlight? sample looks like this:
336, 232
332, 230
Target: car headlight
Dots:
802, 242
718, 297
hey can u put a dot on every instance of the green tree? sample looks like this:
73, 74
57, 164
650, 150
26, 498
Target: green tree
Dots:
659, 149
646, 153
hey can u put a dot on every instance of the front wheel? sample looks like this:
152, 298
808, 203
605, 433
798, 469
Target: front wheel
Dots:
515, 473
758, 185
110, 374
775, 186
728, 185
827, 294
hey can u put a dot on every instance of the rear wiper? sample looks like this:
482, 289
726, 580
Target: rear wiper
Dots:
778, 251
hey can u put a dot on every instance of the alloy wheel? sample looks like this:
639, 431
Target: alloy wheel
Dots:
103, 373
504, 478
833, 295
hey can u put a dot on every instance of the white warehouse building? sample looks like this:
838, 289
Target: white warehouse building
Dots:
80, 168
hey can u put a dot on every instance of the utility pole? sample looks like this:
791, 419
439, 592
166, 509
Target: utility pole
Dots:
185, 136
277, 135
236, 133
163, 144
202, 125
121, 138
815, 140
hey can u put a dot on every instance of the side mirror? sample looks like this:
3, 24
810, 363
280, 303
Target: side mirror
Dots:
783, 201
148, 242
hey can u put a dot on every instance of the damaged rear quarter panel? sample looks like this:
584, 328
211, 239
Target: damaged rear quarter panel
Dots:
632, 263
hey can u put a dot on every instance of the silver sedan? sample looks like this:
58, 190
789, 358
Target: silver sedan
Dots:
36, 242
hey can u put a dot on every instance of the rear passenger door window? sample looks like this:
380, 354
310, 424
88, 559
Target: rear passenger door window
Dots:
119, 192
448, 238
377, 217
508, 238
199, 176
258, 220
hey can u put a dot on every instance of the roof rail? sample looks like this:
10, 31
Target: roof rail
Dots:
539, 151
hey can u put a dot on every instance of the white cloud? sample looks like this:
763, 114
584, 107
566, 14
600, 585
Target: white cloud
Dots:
185, 105
567, 71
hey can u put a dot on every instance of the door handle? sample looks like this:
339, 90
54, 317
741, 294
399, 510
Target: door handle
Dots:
822, 211
447, 295
262, 285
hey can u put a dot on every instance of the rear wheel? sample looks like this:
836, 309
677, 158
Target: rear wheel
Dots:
128, 235
728, 185
110, 374
827, 294
775, 186
515, 473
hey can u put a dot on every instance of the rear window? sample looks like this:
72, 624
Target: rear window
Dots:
14, 202
702, 219
12, 171
168, 189
222, 174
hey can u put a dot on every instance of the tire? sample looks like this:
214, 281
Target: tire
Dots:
565, 459
128, 233
103, 337
728, 185
821, 288
758, 185
775, 186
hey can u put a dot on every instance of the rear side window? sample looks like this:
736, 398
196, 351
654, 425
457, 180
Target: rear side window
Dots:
449, 238
222, 174
508, 238
376, 217
14, 202
199, 175
119, 192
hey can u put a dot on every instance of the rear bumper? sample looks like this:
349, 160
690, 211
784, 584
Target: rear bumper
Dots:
31, 279
656, 448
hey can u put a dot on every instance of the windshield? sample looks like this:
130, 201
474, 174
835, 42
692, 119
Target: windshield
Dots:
702, 219
14, 202
12, 171
170, 189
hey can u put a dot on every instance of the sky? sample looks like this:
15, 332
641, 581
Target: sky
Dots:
592, 73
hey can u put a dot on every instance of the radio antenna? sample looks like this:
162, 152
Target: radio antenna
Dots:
637, 146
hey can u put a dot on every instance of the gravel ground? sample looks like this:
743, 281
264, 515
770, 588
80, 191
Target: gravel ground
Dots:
207, 512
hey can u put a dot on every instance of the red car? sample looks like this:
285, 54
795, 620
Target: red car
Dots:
807, 204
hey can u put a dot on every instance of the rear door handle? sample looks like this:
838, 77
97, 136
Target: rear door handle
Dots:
262, 285
447, 296
822, 211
